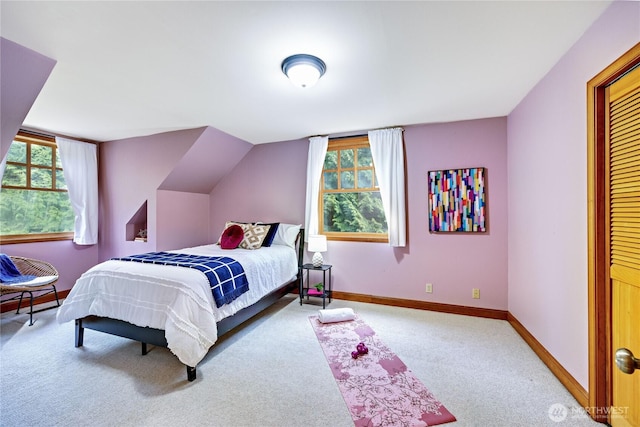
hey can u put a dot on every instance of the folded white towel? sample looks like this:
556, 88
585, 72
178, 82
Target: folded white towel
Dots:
336, 315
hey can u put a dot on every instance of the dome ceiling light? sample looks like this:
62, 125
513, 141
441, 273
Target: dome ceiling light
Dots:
303, 70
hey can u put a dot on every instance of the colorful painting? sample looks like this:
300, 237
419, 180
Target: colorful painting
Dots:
457, 200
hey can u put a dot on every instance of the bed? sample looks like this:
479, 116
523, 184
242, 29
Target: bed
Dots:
173, 306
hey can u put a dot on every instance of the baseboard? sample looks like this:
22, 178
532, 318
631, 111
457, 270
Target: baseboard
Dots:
423, 305
567, 380
13, 305
570, 383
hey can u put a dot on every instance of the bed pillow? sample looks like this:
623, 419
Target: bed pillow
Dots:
231, 237
287, 234
254, 235
273, 229
229, 224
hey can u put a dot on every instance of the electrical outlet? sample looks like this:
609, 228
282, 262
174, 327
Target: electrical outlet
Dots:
429, 288
476, 293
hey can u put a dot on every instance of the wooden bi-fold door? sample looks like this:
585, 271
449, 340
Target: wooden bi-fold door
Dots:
623, 99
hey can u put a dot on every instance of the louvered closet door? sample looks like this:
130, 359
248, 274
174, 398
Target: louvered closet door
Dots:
624, 202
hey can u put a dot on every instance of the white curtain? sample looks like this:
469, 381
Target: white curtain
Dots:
3, 165
80, 167
315, 162
388, 159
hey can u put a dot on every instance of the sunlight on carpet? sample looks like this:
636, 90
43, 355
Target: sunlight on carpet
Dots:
377, 387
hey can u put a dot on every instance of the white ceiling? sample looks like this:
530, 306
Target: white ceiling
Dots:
136, 68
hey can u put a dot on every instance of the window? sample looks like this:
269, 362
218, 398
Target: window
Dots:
350, 207
34, 203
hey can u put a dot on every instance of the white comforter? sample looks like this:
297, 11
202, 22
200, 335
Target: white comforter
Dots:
176, 299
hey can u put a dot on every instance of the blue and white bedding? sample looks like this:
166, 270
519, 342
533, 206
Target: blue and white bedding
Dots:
176, 299
226, 275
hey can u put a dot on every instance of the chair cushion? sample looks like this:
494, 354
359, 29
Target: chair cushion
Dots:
37, 281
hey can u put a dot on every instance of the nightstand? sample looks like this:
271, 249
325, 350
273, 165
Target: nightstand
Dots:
306, 290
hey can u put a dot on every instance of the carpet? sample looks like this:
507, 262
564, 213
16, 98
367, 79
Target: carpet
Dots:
377, 387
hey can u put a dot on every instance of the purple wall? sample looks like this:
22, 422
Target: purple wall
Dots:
548, 194
456, 263
182, 219
269, 185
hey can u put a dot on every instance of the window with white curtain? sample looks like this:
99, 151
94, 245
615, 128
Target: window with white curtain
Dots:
34, 199
356, 187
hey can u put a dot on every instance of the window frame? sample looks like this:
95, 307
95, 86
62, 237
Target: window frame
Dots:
345, 143
47, 141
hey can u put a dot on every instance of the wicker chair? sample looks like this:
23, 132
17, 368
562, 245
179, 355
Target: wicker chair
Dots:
34, 267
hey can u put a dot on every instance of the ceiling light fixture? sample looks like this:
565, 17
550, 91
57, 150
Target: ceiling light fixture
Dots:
303, 70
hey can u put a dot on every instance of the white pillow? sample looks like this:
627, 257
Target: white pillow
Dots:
286, 235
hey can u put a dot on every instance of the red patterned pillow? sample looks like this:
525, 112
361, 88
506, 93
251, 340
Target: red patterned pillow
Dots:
231, 237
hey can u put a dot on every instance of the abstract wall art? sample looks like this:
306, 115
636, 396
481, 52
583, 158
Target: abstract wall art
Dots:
457, 200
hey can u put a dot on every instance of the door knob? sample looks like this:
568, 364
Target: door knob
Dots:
626, 362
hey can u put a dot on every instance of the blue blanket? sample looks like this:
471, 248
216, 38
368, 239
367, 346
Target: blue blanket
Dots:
226, 276
9, 273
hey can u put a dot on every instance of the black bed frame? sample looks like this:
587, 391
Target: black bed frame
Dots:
156, 337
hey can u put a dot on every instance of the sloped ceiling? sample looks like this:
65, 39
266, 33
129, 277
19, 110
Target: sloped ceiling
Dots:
23, 73
135, 68
211, 157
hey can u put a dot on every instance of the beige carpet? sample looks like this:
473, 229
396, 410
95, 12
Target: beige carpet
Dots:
271, 372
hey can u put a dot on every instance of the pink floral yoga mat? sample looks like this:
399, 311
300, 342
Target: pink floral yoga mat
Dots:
378, 387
